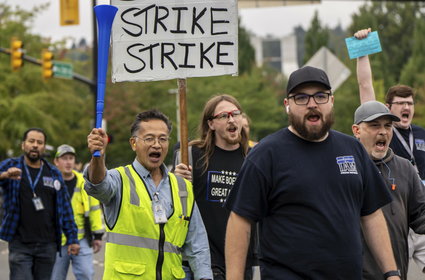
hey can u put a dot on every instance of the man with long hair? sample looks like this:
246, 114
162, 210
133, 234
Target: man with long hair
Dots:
215, 160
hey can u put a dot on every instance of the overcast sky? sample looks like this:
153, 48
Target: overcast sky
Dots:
277, 21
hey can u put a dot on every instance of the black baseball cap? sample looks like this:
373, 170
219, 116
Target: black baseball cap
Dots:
307, 74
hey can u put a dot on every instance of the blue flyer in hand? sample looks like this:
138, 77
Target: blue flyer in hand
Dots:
369, 45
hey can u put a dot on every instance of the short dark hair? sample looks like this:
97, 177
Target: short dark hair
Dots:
34, 129
147, 116
400, 91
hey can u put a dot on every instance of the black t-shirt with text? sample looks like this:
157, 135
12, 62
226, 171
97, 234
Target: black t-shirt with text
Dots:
309, 198
211, 189
37, 226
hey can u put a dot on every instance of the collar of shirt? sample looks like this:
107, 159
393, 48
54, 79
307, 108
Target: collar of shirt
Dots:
163, 189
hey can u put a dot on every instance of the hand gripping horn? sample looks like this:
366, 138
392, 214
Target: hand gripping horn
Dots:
105, 16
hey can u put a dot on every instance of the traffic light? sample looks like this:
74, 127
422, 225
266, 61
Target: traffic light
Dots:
69, 12
16, 54
47, 64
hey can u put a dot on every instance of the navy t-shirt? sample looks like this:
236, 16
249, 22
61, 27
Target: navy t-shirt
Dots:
418, 147
309, 197
37, 226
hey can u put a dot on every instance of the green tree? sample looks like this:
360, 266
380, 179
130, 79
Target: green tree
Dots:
246, 53
315, 37
414, 68
255, 91
64, 108
58, 106
395, 21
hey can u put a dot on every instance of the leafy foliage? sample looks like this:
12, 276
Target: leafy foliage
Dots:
65, 108
315, 37
58, 106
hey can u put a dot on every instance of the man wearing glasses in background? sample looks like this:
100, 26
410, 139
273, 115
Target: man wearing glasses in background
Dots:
313, 190
215, 160
151, 217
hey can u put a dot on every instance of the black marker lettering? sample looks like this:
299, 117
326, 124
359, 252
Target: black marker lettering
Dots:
131, 23
150, 48
167, 54
204, 57
145, 10
179, 16
220, 54
195, 19
158, 20
217, 21
186, 55
136, 57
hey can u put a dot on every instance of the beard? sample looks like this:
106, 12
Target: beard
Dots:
33, 158
233, 141
312, 133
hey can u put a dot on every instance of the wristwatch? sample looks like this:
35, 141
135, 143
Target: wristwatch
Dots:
392, 273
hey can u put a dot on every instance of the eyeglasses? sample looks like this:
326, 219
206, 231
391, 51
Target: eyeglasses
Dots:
225, 115
303, 98
403, 103
152, 140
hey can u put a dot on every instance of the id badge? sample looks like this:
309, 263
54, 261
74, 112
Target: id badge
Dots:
158, 211
38, 204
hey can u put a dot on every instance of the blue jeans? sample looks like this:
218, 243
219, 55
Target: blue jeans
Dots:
28, 261
82, 264
188, 272
218, 273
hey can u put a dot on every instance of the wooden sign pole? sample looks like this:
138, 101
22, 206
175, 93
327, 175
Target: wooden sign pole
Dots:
183, 121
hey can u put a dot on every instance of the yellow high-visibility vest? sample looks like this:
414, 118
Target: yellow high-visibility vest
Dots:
83, 207
136, 247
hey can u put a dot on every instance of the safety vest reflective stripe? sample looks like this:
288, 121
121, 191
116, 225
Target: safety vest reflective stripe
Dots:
134, 198
141, 242
182, 193
77, 189
81, 230
94, 207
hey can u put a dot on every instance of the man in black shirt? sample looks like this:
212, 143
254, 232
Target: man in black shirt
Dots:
217, 157
37, 211
313, 190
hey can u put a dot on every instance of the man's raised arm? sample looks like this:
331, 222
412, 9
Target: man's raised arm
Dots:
364, 72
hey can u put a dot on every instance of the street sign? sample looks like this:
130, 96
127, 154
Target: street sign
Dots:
62, 70
336, 70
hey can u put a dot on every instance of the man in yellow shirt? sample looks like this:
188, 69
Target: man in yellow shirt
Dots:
87, 215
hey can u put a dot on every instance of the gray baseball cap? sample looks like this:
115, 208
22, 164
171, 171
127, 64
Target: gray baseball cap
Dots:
372, 110
64, 149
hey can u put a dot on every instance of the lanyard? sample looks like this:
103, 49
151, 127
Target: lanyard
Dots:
37, 178
409, 148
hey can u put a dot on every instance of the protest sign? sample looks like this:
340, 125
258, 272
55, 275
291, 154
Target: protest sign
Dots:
369, 45
162, 39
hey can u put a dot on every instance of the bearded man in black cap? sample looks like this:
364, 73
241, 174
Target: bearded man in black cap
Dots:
313, 190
